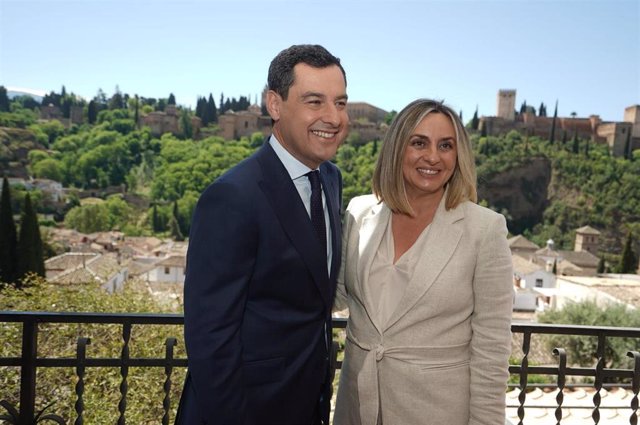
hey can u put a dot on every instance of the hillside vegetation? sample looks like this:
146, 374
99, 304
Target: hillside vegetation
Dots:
546, 190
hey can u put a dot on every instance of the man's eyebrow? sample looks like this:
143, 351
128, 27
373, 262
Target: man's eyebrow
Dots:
312, 94
316, 94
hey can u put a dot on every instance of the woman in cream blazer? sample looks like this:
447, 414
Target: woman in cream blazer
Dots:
427, 278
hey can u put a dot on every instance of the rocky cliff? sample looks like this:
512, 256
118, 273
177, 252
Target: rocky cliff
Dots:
520, 192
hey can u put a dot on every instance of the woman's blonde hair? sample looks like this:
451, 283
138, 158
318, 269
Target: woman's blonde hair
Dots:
388, 180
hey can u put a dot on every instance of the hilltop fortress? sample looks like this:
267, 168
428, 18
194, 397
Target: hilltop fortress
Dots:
621, 137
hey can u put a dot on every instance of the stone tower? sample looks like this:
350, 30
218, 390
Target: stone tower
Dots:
587, 240
506, 104
632, 115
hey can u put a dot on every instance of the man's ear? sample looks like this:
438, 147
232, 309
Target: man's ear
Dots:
274, 104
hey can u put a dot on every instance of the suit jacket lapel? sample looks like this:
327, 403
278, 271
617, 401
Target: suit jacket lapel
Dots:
288, 207
443, 238
370, 234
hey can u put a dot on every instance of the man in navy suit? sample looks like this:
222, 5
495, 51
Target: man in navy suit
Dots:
260, 280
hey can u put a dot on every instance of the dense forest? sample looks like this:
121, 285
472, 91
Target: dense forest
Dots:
155, 182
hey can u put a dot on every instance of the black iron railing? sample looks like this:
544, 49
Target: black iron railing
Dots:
29, 362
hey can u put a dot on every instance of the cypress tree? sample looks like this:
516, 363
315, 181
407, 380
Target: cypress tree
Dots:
576, 146
212, 111
30, 253
4, 100
176, 215
586, 148
92, 112
8, 238
475, 121
155, 219
542, 111
600, 266
172, 99
552, 135
628, 260
185, 123
136, 114
628, 154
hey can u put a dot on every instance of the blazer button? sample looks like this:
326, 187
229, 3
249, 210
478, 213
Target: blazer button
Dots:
379, 352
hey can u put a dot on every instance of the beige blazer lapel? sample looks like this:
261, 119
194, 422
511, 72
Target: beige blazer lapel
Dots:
369, 237
444, 235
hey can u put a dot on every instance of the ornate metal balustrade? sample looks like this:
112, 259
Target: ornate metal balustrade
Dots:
29, 362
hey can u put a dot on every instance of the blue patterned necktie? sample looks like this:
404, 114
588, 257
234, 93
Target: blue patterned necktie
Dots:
317, 212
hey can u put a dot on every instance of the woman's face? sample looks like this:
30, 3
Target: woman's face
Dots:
430, 157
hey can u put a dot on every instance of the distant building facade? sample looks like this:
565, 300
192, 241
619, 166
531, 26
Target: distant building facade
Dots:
621, 137
234, 125
168, 122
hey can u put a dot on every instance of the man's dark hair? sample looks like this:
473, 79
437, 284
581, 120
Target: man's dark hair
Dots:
281, 76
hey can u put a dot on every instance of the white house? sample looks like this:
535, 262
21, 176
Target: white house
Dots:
169, 270
534, 286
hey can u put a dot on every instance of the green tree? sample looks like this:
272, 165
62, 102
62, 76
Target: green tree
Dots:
53, 129
542, 111
48, 168
575, 147
88, 218
136, 114
4, 100
581, 350
601, 266
475, 121
30, 250
92, 112
8, 238
156, 222
212, 111
116, 101
172, 99
628, 259
552, 134
201, 111
185, 124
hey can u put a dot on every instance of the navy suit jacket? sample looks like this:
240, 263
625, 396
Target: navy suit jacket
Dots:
258, 299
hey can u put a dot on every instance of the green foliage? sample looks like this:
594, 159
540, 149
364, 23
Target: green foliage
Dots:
48, 168
18, 117
53, 129
30, 249
357, 164
4, 99
628, 259
112, 214
185, 124
581, 350
582, 190
144, 399
8, 237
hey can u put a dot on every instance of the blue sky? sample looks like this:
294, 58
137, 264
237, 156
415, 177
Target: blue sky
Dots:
585, 54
